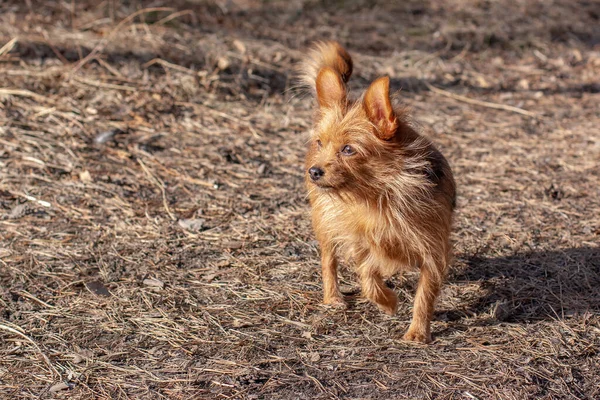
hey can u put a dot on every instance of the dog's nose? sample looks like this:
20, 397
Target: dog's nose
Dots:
316, 173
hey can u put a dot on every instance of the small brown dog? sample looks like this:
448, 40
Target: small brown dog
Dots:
381, 194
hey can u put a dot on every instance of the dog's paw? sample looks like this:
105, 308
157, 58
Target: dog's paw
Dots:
414, 335
336, 302
388, 308
389, 304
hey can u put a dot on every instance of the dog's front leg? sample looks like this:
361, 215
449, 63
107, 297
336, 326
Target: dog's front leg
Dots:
373, 286
331, 292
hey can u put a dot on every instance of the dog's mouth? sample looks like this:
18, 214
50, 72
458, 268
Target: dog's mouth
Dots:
324, 186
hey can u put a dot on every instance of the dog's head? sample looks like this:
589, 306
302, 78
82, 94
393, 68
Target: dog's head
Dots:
351, 140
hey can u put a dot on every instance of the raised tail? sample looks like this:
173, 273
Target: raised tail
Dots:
324, 54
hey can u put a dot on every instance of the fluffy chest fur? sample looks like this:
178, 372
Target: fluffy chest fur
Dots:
362, 230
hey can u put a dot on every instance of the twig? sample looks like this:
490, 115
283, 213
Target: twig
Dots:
167, 64
160, 185
31, 198
173, 16
110, 68
28, 295
8, 46
222, 115
27, 338
91, 82
480, 103
100, 46
25, 93
55, 50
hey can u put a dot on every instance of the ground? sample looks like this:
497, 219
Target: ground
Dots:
154, 231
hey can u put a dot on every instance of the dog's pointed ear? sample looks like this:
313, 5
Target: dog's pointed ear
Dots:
331, 90
378, 107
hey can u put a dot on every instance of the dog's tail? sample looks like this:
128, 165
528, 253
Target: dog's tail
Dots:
324, 54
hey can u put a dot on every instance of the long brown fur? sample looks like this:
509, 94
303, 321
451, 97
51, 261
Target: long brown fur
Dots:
386, 201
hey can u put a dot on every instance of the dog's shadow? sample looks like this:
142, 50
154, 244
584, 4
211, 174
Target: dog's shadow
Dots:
527, 287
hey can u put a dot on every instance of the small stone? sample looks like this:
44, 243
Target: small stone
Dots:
153, 282
241, 47
84, 176
523, 84
223, 63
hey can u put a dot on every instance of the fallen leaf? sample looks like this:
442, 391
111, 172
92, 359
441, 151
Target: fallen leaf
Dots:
191, 224
18, 211
105, 136
77, 359
97, 288
59, 386
233, 245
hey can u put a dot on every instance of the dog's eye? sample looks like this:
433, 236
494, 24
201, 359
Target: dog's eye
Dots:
319, 144
347, 150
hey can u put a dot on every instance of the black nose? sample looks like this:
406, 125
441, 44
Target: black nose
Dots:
316, 173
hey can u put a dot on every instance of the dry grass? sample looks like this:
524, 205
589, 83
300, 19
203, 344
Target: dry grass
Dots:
154, 239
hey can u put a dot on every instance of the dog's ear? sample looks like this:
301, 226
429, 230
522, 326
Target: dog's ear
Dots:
331, 90
379, 108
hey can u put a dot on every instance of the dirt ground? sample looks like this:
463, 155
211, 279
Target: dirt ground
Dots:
154, 232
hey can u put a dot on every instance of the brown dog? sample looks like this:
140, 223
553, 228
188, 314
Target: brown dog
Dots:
381, 194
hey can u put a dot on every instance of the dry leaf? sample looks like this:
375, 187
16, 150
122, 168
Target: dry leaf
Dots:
191, 224
153, 282
97, 288
59, 386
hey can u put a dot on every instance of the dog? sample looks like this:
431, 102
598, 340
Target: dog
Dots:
381, 194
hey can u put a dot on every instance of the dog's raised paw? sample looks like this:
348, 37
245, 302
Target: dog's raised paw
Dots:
389, 309
389, 304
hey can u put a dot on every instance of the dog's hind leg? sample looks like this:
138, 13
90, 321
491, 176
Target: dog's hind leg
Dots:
428, 289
